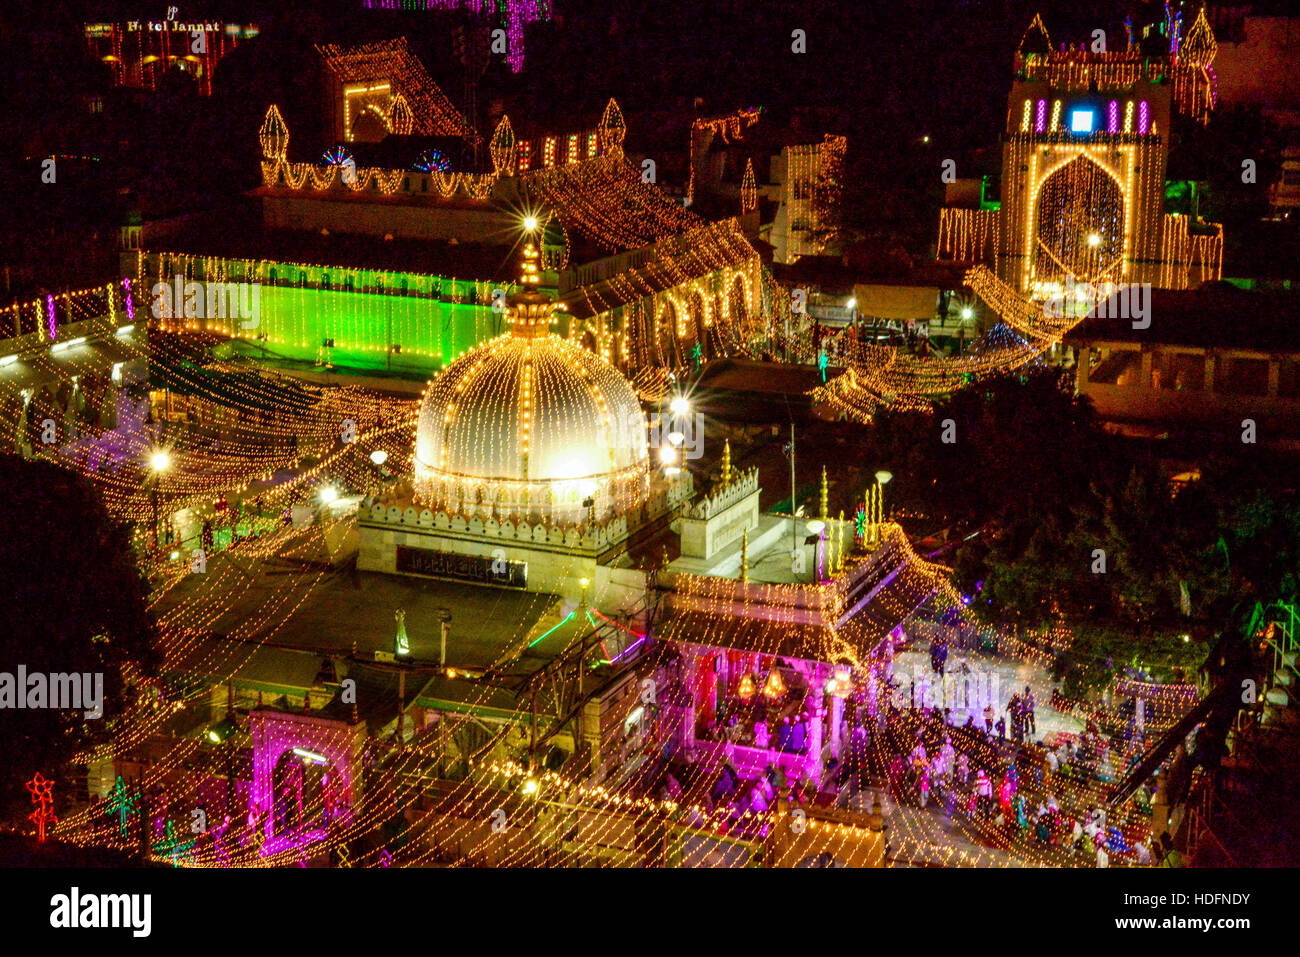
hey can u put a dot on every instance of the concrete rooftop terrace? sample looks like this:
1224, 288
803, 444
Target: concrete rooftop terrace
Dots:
770, 557
341, 610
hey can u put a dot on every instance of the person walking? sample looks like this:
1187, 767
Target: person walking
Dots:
1027, 704
983, 792
1017, 719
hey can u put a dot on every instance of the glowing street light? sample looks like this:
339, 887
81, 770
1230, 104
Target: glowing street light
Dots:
1094, 239
967, 312
680, 405
882, 479
530, 223
329, 495
310, 757
379, 456
667, 456
160, 462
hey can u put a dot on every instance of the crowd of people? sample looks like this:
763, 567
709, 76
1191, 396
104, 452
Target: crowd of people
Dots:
1008, 787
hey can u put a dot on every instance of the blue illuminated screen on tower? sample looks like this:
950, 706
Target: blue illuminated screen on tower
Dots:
1081, 121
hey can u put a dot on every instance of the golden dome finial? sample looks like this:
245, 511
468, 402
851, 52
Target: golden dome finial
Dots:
530, 311
528, 275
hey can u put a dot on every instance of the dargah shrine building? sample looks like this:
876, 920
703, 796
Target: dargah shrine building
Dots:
540, 537
532, 473
387, 251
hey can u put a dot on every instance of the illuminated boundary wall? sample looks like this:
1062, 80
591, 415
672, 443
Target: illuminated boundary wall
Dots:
370, 320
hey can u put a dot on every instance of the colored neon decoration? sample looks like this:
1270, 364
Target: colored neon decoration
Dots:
338, 156
42, 791
430, 161
555, 628
171, 846
123, 803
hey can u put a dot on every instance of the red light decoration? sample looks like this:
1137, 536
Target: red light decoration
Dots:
42, 791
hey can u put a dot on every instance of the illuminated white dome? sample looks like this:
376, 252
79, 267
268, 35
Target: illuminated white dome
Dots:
530, 426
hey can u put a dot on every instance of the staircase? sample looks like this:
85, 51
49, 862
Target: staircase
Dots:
1243, 814
1280, 697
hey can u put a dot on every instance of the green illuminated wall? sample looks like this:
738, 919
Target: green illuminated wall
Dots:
365, 312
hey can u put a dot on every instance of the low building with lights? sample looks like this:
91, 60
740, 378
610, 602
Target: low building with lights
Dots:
141, 52
785, 182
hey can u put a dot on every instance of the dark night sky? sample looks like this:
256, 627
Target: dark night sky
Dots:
883, 73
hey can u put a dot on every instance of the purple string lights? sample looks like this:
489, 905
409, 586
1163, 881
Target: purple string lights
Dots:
514, 16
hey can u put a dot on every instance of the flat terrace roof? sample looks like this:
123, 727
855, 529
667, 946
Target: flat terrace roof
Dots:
1214, 315
338, 610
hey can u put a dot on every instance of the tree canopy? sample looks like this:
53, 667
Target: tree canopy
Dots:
76, 604
1060, 521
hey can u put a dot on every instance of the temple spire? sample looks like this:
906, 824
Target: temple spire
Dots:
1036, 39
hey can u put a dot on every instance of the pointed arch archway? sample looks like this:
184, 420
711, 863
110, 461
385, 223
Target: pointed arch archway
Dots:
1079, 224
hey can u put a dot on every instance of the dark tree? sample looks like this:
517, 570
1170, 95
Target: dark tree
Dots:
75, 603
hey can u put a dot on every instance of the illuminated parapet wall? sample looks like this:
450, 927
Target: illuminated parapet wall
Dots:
365, 319
1083, 170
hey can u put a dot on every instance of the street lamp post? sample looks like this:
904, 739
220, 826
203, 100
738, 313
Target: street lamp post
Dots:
882, 479
159, 462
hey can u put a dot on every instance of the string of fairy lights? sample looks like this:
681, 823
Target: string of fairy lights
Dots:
882, 375
1188, 64
607, 808
280, 442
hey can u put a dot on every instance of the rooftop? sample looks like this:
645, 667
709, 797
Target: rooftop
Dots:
1214, 315
339, 610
